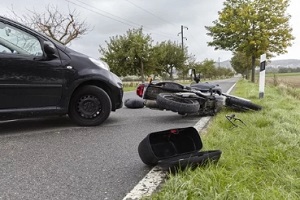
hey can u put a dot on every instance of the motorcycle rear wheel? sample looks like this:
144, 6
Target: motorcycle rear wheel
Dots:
241, 104
175, 103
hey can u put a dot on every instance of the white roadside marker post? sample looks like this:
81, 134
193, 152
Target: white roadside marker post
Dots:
262, 76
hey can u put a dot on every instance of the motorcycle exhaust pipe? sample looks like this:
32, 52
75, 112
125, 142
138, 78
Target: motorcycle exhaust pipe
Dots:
151, 104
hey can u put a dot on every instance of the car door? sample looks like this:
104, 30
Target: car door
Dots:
28, 78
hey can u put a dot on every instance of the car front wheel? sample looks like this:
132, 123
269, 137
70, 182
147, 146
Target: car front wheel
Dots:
90, 106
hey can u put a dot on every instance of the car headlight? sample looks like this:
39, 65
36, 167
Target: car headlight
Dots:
100, 63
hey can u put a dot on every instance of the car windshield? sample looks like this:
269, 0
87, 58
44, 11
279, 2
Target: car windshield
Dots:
14, 40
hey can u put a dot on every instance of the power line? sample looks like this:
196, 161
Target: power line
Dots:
113, 17
154, 15
127, 22
150, 13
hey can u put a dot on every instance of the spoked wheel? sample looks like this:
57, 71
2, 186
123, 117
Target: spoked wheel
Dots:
175, 103
90, 106
241, 104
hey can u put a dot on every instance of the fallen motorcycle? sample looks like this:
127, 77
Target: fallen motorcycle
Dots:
202, 98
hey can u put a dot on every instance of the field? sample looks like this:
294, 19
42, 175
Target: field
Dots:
288, 83
288, 79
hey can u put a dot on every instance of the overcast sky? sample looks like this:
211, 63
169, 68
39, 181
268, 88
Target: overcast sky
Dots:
162, 19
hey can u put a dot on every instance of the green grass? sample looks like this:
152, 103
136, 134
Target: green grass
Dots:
259, 161
128, 89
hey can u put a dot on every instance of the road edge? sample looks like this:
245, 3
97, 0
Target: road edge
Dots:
156, 176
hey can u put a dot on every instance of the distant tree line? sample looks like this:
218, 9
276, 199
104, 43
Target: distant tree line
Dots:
209, 70
133, 53
288, 70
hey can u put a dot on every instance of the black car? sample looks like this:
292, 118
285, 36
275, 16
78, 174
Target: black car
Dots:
39, 76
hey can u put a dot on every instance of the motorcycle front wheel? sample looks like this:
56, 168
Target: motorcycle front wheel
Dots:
241, 104
176, 103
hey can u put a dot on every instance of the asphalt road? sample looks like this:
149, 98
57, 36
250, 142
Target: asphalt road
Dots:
51, 158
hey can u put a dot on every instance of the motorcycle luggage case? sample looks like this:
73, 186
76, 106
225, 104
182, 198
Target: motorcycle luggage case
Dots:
162, 87
175, 148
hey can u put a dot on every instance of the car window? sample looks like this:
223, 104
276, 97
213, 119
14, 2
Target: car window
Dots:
4, 49
18, 41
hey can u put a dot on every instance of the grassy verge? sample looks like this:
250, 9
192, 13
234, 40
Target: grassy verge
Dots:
259, 161
129, 89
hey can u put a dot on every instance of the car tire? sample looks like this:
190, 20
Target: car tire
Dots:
90, 106
175, 103
240, 104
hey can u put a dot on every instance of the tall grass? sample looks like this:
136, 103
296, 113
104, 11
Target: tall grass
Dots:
260, 160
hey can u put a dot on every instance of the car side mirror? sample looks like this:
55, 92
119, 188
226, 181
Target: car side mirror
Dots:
48, 49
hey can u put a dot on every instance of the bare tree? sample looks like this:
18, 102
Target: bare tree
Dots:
61, 27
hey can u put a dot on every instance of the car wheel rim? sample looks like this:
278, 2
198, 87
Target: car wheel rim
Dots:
89, 107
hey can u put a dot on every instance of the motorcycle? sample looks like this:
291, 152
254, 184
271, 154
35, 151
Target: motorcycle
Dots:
203, 99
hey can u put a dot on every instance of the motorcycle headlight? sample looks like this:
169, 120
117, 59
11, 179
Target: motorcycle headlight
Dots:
100, 64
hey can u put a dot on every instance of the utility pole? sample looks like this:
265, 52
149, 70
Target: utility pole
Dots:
182, 37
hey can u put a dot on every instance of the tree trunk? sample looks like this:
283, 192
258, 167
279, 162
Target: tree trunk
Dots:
253, 69
142, 71
171, 74
246, 74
